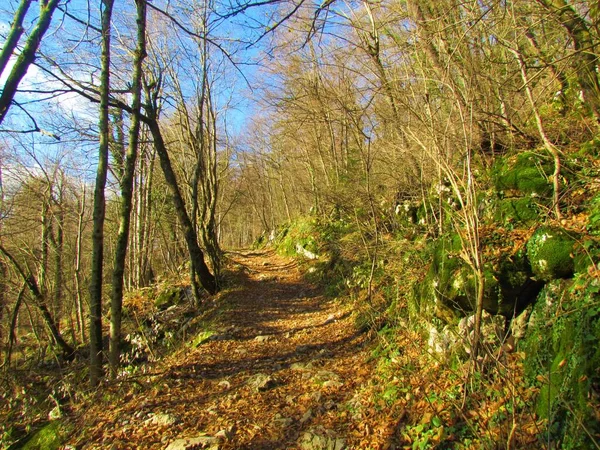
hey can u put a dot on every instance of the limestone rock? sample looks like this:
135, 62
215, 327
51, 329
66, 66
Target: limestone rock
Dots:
324, 376
441, 343
306, 253
550, 252
306, 416
161, 420
281, 421
321, 439
200, 442
492, 330
262, 382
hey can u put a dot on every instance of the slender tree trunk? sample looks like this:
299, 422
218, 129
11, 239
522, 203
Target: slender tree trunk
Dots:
58, 251
45, 240
78, 293
27, 55
40, 303
196, 255
100, 205
12, 335
586, 59
16, 30
550, 147
125, 205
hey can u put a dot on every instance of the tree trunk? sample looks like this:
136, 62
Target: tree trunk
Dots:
12, 335
100, 206
58, 242
586, 59
16, 30
125, 206
196, 255
78, 293
40, 303
27, 55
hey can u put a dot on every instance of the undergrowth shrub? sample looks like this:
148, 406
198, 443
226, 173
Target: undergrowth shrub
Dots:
563, 360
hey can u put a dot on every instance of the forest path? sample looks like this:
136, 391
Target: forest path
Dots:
278, 373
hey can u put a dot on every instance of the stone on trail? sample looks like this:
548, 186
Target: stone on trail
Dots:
161, 420
262, 382
306, 416
200, 442
281, 421
324, 376
265, 338
331, 318
321, 439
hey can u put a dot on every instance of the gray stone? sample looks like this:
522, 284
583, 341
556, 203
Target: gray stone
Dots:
281, 421
321, 439
332, 384
306, 253
301, 366
323, 376
306, 416
200, 442
262, 382
263, 338
331, 318
161, 420
519, 324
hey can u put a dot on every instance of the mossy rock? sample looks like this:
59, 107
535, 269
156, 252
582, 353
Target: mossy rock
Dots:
562, 343
518, 288
528, 173
49, 437
550, 253
425, 297
450, 286
168, 297
523, 210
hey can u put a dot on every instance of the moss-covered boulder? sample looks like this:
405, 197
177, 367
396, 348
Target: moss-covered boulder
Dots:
517, 288
563, 356
449, 289
429, 298
526, 173
550, 253
169, 296
524, 210
50, 437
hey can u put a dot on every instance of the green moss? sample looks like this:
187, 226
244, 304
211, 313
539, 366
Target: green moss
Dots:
550, 254
49, 437
201, 338
563, 357
517, 210
303, 231
526, 172
590, 148
168, 297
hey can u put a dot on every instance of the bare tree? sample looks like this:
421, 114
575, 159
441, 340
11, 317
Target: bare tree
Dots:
126, 183
99, 204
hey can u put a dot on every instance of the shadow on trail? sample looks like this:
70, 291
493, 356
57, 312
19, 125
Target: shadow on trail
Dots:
272, 363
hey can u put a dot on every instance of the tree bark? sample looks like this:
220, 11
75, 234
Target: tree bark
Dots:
100, 205
27, 55
125, 206
15, 33
40, 303
196, 255
12, 335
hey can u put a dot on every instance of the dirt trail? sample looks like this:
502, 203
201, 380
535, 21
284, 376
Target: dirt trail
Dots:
280, 372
